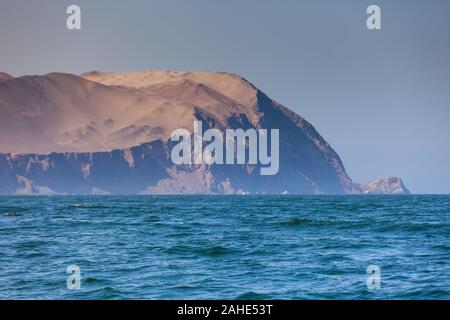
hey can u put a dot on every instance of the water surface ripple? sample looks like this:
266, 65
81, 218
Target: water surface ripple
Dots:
225, 247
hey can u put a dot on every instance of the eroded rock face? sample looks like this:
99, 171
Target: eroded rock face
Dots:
109, 133
387, 185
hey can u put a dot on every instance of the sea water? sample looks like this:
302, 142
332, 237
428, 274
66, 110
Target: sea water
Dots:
225, 247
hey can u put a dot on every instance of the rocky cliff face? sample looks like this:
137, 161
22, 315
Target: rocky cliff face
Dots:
109, 133
387, 185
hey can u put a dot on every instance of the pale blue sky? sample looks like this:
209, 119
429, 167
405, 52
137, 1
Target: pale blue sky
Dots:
381, 98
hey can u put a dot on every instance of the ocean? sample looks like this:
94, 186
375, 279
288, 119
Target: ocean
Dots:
225, 247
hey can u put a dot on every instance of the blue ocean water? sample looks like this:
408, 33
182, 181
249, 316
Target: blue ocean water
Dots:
225, 247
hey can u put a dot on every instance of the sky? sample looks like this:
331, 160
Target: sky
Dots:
381, 98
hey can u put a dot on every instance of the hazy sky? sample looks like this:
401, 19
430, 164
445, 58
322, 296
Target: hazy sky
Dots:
381, 98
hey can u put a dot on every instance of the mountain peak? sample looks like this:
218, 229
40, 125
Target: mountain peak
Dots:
231, 85
4, 76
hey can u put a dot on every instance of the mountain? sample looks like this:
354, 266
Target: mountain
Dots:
109, 133
387, 185
5, 76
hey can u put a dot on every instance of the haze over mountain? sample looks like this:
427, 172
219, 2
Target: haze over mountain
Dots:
108, 133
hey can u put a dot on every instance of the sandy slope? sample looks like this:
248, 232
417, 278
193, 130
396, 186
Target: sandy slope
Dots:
105, 111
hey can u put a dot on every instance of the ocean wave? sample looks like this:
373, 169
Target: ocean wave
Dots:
250, 295
205, 251
170, 247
